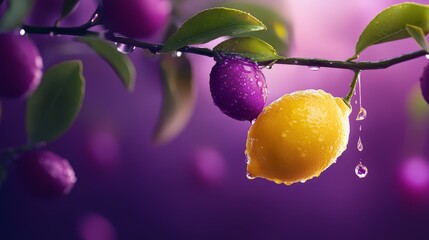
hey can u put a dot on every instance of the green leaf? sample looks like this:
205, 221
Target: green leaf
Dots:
54, 106
278, 32
178, 98
15, 14
120, 62
417, 34
250, 47
418, 109
211, 24
390, 25
69, 6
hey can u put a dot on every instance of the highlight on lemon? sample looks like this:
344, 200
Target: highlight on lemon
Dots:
297, 137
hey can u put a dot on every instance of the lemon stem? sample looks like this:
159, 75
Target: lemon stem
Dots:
348, 98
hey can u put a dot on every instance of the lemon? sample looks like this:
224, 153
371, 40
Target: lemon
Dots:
297, 137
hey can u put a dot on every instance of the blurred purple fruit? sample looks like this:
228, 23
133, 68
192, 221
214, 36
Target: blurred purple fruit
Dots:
93, 226
46, 174
424, 83
238, 87
47, 12
208, 165
20, 66
136, 18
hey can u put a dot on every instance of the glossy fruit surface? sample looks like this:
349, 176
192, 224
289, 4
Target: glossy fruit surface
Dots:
424, 83
20, 66
46, 174
136, 18
238, 87
297, 137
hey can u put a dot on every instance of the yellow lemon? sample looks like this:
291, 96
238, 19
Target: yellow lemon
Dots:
297, 137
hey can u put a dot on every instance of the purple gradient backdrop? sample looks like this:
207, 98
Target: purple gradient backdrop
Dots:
141, 191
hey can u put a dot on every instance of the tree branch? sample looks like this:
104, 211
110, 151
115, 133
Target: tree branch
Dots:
156, 49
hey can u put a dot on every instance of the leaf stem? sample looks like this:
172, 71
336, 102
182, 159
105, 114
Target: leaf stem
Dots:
11, 153
352, 88
83, 30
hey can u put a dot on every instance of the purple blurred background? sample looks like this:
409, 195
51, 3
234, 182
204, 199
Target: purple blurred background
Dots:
195, 187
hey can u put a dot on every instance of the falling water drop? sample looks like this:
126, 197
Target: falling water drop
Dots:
360, 145
124, 48
361, 170
361, 115
360, 128
22, 32
314, 68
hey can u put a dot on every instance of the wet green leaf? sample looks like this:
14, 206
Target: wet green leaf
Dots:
390, 25
278, 32
417, 34
119, 62
250, 47
211, 24
52, 109
178, 98
69, 6
15, 14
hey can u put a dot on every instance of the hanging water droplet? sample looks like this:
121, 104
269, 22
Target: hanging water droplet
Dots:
269, 67
176, 54
253, 121
296, 62
360, 128
427, 56
361, 170
124, 48
314, 68
360, 145
250, 177
361, 115
94, 18
22, 32
51, 34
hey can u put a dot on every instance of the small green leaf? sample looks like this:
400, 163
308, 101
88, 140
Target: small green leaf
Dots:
15, 14
69, 6
211, 24
390, 25
418, 109
250, 47
52, 109
178, 98
120, 63
417, 34
278, 32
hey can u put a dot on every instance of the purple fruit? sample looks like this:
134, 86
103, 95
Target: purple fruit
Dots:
136, 18
20, 66
424, 83
238, 87
46, 174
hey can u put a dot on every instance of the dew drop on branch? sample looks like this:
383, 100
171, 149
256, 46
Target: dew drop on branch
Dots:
124, 48
22, 32
176, 54
314, 68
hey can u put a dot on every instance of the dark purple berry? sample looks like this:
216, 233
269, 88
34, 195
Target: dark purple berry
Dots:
134, 18
424, 83
46, 174
238, 87
20, 66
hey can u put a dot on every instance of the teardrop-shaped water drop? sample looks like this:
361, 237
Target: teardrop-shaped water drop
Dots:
360, 145
361, 170
361, 115
124, 48
314, 68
